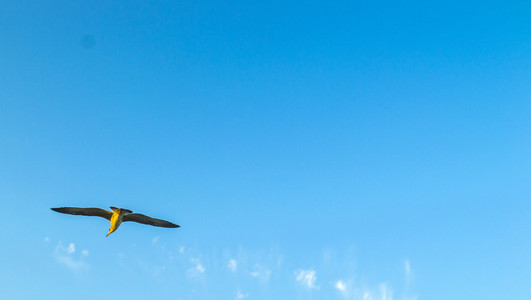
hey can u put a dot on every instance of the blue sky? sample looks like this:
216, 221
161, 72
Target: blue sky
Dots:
320, 150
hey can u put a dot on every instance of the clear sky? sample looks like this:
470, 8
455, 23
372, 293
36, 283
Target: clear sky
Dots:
359, 150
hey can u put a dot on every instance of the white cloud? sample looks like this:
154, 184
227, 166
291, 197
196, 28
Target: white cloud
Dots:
197, 270
241, 295
71, 248
200, 268
346, 289
385, 292
306, 278
409, 276
367, 296
341, 286
155, 239
65, 256
47, 239
408, 272
261, 273
232, 265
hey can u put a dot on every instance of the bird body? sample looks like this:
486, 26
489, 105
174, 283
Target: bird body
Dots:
116, 217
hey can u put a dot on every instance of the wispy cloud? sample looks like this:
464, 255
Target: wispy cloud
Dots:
342, 286
367, 296
385, 292
306, 278
232, 265
71, 248
241, 295
65, 256
197, 270
408, 272
261, 273
409, 278
258, 266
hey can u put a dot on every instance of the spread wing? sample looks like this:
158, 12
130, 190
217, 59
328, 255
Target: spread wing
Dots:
89, 211
140, 218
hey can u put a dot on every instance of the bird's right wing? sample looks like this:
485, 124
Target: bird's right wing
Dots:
89, 211
140, 218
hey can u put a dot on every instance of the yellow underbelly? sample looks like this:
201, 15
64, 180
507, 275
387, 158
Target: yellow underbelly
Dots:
116, 220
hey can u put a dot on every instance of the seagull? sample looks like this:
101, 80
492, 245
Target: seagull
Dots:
117, 216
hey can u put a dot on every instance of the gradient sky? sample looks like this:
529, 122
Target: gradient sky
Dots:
310, 150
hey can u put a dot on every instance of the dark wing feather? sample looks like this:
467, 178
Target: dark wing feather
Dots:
89, 211
140, 218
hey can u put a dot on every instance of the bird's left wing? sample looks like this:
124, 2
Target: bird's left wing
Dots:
140, 218
89, 211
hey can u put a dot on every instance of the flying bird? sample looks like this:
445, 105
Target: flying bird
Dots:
117, 216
